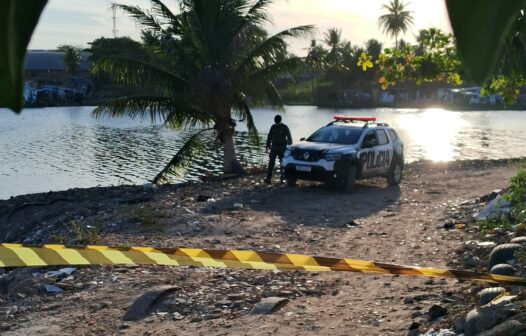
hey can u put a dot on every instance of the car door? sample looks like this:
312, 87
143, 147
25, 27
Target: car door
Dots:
375, 153
383, 153
367, 153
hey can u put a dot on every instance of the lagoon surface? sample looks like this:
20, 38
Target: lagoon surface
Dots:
65, 147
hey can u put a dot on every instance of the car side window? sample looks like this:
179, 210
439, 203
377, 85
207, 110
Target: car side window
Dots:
369, 140
392, 135
382, 137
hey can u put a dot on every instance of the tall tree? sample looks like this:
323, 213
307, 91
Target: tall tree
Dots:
71, 58
333, 39
397, 20
205, 61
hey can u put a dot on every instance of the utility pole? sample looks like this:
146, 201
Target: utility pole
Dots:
114, 16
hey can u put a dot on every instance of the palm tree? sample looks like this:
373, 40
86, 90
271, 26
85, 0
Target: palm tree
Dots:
71, 58
198, 69
333, 39
397, 20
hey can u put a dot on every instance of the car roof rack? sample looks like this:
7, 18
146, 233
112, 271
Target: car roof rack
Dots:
350, 119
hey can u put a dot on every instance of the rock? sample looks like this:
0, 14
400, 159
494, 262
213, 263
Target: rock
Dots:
486, 244
140, 308
148, 187
53, 289
502, 269
504, 300
176, 316
495, 209
441, 332
448, 224
508, 328
408, 300
519, 240
268, 305
502, 254
459, 324
435, 312
488, 294
202, 198
485, 318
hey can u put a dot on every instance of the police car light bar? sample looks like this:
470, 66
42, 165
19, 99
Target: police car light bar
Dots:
347, 118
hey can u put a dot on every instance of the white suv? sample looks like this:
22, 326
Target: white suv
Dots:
347, 149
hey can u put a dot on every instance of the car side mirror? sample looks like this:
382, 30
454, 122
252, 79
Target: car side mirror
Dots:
302, 139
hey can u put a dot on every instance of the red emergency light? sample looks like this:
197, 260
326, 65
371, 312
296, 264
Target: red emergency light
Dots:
351, 119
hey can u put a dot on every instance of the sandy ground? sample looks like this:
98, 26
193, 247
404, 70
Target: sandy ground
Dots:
388, 224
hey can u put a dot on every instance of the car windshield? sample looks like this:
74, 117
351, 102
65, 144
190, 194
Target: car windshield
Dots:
337, 134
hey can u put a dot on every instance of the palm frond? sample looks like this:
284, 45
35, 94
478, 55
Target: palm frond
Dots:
159, 8
273, 43
257, 13
195, 143
156, 108
274, 97
142, 17
243, 110
134, 72
275, 70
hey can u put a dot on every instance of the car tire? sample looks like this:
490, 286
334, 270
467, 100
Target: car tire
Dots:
395, 174
291, 182
350, 180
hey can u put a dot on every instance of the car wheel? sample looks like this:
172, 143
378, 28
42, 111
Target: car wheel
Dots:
395, 174
350, 179
291, 182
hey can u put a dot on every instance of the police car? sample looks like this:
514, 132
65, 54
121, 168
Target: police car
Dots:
347, 149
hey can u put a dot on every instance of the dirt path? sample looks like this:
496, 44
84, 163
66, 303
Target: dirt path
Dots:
399, 225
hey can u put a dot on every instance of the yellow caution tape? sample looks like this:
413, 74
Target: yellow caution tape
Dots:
18, 255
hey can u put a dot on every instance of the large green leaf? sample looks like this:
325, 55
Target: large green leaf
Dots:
17, 22
480, 27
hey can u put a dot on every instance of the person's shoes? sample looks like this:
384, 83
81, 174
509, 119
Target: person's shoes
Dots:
267, 180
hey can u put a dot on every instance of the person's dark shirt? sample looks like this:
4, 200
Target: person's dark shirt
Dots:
279, 135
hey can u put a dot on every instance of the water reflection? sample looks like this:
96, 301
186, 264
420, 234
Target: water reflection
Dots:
435, 132
60, 148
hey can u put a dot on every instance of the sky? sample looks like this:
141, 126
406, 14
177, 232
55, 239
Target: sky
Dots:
78, 22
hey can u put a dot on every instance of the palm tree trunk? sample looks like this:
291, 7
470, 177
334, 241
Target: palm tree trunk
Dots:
396, 41
225, 128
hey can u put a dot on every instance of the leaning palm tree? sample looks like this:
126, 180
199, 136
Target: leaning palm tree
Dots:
398, 20
201, 65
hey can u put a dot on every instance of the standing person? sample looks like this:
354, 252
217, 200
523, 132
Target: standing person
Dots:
278, 139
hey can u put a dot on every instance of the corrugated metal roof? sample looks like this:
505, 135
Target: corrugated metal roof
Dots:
52, 60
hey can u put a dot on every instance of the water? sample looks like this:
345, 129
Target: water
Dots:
64, 147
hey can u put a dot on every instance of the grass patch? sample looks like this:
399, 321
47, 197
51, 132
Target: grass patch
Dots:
78, 234
146, 218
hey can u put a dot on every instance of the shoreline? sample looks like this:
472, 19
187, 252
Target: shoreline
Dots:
250, 172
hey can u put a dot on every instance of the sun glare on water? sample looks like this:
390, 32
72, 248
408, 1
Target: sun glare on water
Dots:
433, 131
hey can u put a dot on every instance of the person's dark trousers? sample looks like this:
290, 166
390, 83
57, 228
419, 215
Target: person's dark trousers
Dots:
275, 151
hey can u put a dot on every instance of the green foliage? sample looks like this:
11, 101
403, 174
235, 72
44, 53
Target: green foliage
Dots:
480, 29
434, 59
17, 22
78, 234
487, 226
517, 188
146, 217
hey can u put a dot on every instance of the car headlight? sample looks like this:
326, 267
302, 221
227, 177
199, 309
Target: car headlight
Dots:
288, 152
333, 157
